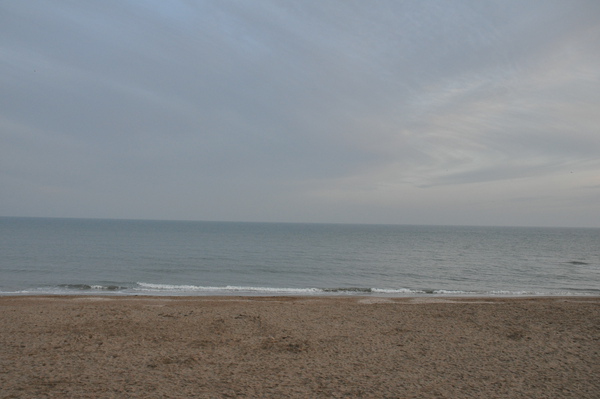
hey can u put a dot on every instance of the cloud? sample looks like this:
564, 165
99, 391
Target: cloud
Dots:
276, 111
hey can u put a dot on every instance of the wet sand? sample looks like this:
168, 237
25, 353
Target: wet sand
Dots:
273, 347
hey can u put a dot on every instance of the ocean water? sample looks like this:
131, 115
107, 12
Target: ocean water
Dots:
127, 257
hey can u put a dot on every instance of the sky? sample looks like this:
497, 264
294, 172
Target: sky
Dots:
400, 112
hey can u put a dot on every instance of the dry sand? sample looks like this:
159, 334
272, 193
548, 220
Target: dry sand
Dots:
217, 347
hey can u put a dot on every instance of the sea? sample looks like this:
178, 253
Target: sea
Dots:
41, 256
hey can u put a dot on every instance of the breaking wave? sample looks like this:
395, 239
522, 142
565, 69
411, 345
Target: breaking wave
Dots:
144, 288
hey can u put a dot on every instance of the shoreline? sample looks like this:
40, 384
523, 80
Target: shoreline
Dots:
364, 298
299, 346
458, 295
400, 298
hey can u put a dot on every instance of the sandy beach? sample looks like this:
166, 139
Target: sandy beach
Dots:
304, 347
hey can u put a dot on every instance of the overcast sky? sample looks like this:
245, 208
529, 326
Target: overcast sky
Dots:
410, 112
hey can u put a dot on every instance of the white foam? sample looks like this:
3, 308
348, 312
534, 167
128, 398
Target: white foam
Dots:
453, 292
396, 291
228, 288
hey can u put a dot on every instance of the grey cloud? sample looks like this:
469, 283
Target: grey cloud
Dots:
274, 101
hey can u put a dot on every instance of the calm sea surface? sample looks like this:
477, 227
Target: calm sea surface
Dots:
80, 256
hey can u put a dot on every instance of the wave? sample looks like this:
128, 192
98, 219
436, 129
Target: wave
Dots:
249, 290
141, 286
94, 287
229, 288
144, 288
